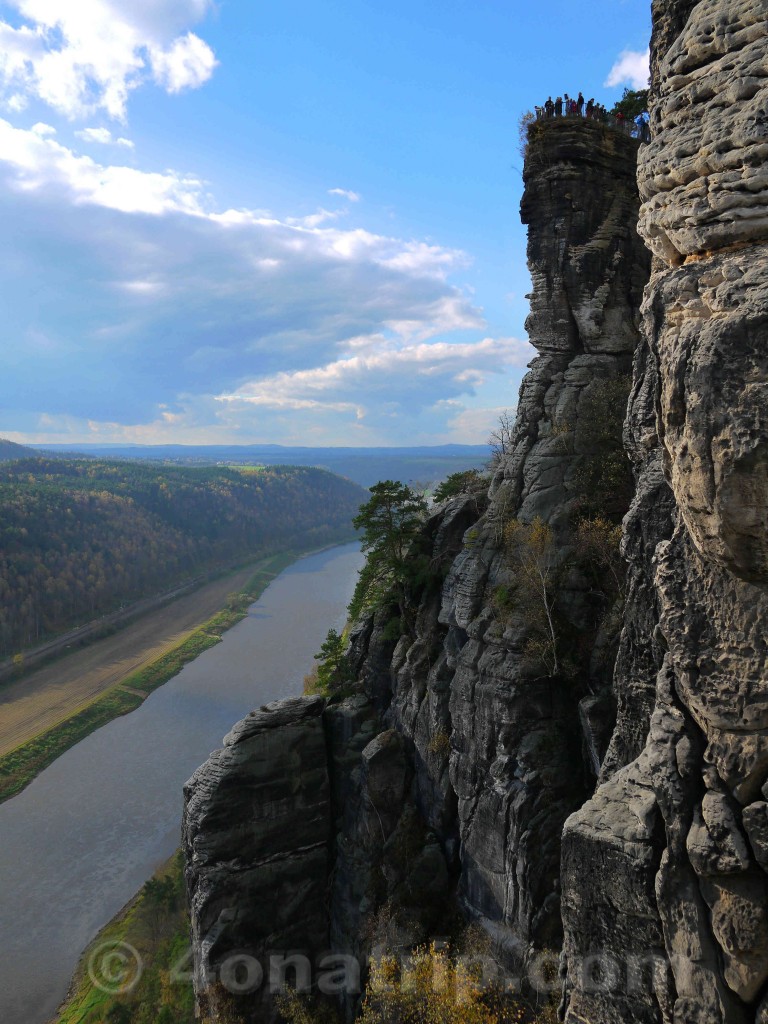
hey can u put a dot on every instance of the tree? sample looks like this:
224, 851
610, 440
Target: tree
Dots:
500, 439
532, 552
432, 985
598, 545
526, 119
456, 483
332, 670
632, 103
391, 522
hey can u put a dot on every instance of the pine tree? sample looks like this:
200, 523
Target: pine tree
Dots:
391, 522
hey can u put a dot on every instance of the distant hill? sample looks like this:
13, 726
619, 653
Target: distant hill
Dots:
10, 450
426, 463
78, 538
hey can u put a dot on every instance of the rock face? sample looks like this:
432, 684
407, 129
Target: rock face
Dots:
255, 838
679, 833
504, 746
296, 835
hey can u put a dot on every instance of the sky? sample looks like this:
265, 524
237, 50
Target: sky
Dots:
297, 222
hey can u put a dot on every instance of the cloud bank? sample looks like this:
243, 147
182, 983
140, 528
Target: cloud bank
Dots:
140, 311
136, 308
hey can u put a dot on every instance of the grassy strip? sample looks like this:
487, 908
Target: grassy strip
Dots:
152, 933
19, 767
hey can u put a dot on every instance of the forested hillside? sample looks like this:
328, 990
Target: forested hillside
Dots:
79, 538
11, 450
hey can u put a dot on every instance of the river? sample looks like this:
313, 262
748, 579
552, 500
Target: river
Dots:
88, 832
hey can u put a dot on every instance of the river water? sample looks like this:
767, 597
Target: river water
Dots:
84, 836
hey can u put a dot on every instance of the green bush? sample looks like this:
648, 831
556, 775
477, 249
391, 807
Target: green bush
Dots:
456, 483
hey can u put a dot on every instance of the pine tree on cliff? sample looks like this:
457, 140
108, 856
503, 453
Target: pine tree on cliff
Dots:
391, 521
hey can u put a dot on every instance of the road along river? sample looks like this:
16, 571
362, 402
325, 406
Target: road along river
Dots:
84, 836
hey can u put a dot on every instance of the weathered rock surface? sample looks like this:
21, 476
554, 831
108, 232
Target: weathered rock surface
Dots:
298, 836
257, 821
699, 902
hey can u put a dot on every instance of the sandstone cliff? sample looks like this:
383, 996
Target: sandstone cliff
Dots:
679, 910
594, 777
525, 733
445, 784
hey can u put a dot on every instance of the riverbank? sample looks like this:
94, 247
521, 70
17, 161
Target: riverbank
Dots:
114, 691
149, 941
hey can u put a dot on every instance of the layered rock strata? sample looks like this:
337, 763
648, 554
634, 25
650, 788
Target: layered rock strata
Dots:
255, 834
679, 833
296, 835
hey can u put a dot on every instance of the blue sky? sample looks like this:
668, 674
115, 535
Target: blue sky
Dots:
244, 222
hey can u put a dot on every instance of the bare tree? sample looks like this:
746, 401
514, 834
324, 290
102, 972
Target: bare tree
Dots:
500, 439
532, 552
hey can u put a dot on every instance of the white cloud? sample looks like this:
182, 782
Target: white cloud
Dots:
474, 425
631, 68
85, 55
39, 163
186, 64
353, 197
388, 377
140, 287
314, 219
17, 102
103, 136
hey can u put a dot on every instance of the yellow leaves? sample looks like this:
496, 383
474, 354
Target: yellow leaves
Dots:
532, 554
534, 539
599, 531
598, 543
440, 744
431, 987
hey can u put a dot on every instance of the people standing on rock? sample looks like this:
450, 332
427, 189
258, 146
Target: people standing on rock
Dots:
643, 130
549, 107
580, 103
590, 107
566, 104
559, 107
